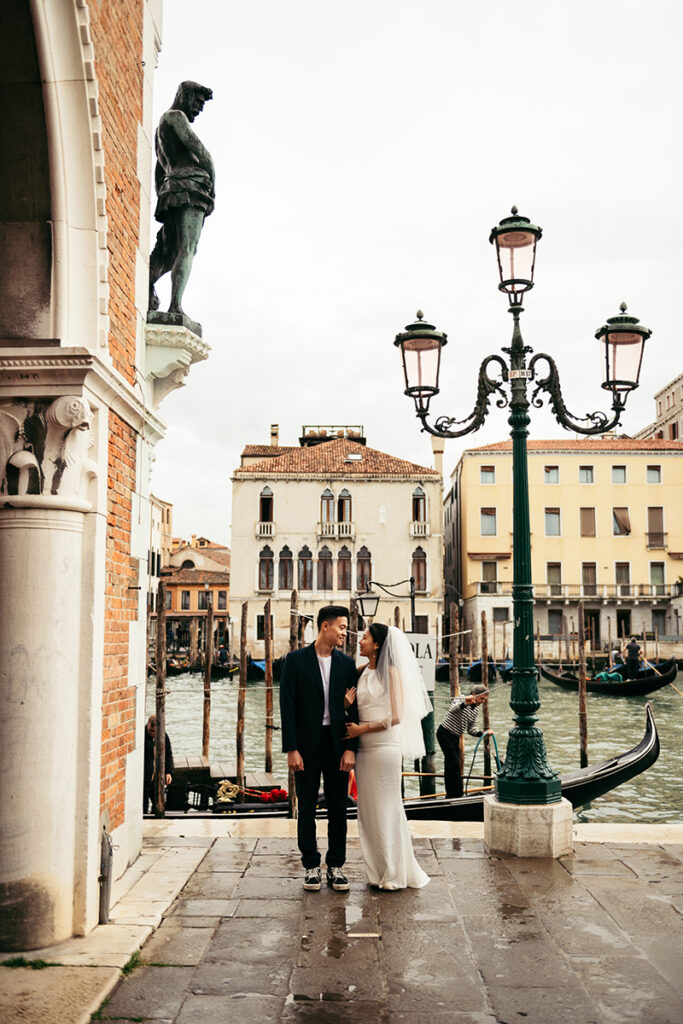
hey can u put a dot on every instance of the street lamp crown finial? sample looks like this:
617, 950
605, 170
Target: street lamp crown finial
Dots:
419, 315
623, 307
514, 210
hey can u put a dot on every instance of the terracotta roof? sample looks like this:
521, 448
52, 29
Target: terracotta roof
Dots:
195, 576
589, 444
221, 555
267, 451
331, 459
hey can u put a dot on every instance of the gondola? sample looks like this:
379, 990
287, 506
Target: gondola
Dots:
580, 787
646, 682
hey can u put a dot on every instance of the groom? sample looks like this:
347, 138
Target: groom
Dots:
312, 687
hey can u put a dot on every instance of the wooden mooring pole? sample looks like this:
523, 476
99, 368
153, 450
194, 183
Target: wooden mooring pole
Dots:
159, 801
208, 659
241, 701
485, 682
293, 633
583, 716
267, 643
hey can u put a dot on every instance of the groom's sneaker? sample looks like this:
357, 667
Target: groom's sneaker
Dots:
337, 879
312, 880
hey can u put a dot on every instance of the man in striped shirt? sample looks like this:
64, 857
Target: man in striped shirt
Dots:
461, 716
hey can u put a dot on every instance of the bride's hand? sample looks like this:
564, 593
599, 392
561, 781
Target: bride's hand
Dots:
349, 697
352, 730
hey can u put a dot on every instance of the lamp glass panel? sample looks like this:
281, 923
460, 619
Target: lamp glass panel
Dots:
421, 364
624, 351
516, 258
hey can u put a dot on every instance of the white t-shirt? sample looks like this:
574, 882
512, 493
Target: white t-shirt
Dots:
325, 666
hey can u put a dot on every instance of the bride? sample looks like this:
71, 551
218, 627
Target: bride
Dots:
392, 701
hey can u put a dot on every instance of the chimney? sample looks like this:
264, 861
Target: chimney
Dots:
193, 542
438, 444
274, 435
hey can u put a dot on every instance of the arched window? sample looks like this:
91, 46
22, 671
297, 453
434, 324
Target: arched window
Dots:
187, 564
265, 569
344, 569
419, 508
363, 568
265, 514
419, 570
344, 507
327, 506
325, 569
286, 570
305, 567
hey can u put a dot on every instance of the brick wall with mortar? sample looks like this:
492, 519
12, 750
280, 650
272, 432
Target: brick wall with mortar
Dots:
117, 30
121, 608
117, 39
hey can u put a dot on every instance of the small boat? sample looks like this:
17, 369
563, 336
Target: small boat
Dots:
646, 682
580, 787
474, 671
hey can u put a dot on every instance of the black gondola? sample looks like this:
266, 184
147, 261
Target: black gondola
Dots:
580, 787
646, 682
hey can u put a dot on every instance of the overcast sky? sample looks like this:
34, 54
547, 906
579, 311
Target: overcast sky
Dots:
363, 151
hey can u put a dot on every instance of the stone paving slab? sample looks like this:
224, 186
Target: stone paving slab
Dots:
175, 943
150, 993
56, 995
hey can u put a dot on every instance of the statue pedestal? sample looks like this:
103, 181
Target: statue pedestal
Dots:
172, 347
528, 830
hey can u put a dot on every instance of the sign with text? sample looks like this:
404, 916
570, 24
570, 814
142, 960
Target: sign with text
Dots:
424, 649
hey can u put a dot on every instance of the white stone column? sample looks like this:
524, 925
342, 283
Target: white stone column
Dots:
45, 470
40, 596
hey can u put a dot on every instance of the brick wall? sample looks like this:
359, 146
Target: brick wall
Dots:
121, 608
117, 37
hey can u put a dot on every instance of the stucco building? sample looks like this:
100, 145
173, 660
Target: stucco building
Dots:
668, 423
606, 526
324, 518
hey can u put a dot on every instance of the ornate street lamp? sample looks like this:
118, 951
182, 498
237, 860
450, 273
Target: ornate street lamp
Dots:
526, 776
368, 601
368, 604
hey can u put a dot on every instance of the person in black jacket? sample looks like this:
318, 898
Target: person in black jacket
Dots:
313, 683
148, 790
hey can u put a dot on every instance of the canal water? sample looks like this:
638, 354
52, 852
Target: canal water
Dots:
615, 724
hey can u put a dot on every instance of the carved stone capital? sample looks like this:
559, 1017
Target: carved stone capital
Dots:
171, 351
44, 452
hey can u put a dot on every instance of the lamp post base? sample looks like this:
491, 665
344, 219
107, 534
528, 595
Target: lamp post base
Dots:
529, 791
528, 830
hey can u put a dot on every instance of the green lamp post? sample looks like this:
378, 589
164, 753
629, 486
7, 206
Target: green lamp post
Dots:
526, 777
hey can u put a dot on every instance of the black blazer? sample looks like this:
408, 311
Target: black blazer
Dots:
302, 701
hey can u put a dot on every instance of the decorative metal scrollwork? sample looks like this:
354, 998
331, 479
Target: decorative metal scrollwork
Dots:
486, 386
591, 423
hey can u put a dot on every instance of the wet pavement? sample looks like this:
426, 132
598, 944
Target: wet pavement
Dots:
594, 938
226, 933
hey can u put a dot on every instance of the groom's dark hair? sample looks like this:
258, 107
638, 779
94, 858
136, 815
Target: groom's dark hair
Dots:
331, 612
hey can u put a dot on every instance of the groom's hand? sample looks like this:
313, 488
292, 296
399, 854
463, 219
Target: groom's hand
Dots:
348, 761
295, 761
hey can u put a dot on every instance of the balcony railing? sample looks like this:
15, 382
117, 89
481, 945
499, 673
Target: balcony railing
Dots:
656, 539
345, 530
419, 529
590, 591
265, 530
327, 529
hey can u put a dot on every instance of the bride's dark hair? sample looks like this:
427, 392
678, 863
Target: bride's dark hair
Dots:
379, 632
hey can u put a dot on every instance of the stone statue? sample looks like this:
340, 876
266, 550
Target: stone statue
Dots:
184, 181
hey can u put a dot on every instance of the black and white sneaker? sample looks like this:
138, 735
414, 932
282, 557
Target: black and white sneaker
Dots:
312, 880
337, 879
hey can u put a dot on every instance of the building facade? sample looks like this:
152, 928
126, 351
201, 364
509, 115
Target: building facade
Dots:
325, 517
160, 545
81, 379
606, 527
668, 424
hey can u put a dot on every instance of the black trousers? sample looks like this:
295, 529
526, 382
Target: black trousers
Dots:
450, 745
324, 762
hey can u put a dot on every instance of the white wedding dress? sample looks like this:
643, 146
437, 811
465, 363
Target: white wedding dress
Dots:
382, 824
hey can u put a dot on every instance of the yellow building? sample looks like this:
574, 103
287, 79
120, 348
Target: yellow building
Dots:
606, 526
